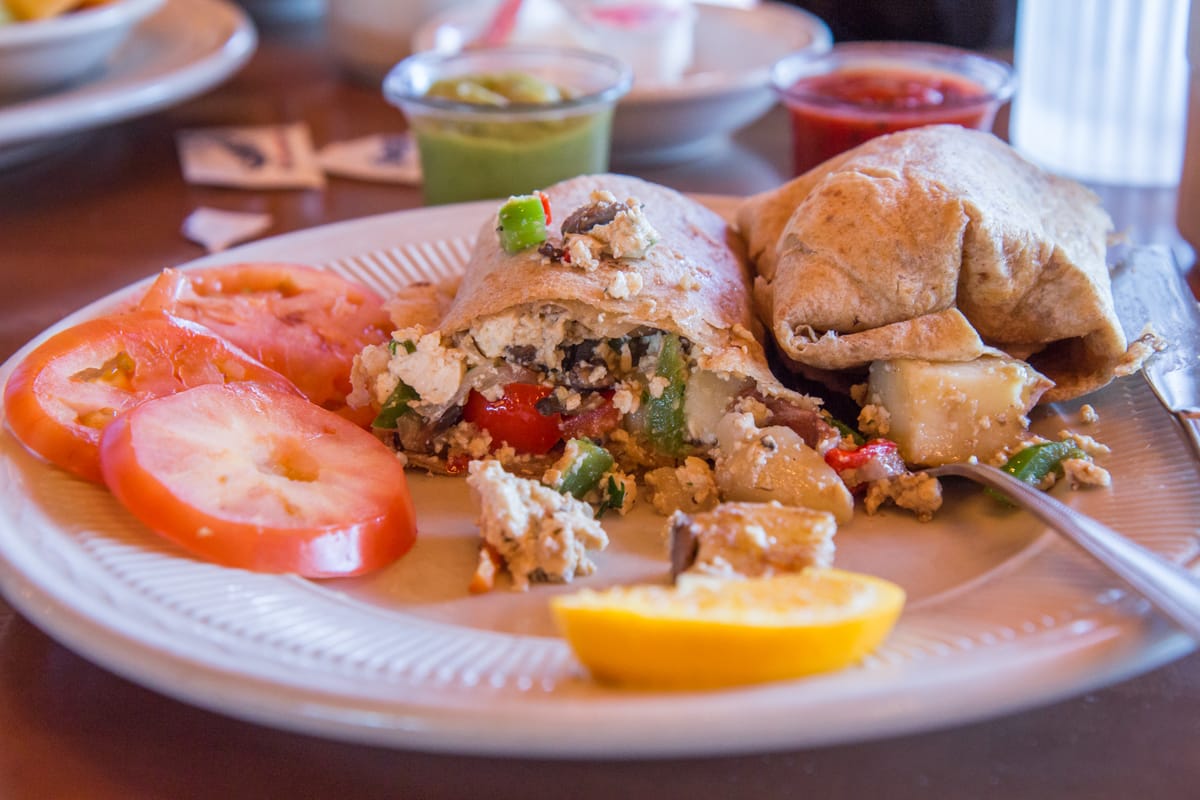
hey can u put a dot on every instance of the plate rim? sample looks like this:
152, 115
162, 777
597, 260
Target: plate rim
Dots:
106, 101
1087, 658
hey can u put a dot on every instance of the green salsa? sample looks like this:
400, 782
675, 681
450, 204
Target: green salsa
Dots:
470, 159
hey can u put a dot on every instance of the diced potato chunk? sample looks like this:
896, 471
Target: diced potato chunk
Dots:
751, 540
941, 412
707, 397
773, 463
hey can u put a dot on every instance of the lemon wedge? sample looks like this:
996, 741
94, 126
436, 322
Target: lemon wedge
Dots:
706, 633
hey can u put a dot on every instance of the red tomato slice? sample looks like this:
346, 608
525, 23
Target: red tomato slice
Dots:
305, 323
60, 398
256, 478
514, 419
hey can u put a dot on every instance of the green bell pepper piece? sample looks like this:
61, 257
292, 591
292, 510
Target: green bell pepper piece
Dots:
583, 474
1035, 462
664, 414
395, 406
522, 223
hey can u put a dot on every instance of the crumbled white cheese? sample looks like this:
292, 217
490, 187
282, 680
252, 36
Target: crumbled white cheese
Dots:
625, 400
541, 535
658, 385
624, 285
1088, 415
629, 235
583, 251
433, 371
544, 332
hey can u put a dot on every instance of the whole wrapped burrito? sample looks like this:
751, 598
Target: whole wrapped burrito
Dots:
938, 243
629, 324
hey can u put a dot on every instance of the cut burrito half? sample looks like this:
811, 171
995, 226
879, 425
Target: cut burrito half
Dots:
938, 243
626, 321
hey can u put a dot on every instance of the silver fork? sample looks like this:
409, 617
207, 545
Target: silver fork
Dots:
1172, 589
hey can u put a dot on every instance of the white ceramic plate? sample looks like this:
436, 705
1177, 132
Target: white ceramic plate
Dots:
726, 87
47, 54
1002, 614
186, 48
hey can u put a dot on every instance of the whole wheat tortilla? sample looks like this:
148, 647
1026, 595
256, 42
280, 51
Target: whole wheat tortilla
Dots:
696, 282
940, 243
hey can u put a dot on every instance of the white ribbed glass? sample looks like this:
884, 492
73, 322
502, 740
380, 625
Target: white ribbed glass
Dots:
1102, 88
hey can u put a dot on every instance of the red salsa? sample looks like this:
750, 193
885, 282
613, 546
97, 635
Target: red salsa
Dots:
838, 110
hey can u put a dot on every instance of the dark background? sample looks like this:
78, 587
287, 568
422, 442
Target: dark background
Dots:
978, 24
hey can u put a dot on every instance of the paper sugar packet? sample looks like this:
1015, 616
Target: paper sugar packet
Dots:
252, 157
388, 158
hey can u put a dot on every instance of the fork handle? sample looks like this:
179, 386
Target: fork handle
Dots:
1168, 586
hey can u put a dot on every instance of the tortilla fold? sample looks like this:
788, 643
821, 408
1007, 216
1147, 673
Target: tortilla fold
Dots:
938, 243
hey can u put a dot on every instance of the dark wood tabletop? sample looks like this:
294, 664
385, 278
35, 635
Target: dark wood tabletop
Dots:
105, 210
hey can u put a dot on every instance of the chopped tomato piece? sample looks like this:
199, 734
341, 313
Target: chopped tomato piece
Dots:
303, 322
260, 479
593, 423
514, 418
877, 459
60, 398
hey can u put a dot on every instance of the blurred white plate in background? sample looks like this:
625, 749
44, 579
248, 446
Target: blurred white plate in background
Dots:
47, 54
187, 47
725, 88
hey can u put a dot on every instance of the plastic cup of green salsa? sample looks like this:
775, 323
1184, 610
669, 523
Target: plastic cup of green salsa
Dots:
476, 146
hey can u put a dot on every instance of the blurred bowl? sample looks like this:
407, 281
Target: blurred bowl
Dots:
369, 36
726, 87
43, 55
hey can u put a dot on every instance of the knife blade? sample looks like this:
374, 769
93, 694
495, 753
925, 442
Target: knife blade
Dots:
1149, 287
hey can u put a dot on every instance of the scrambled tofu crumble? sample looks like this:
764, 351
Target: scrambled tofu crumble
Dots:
540, 535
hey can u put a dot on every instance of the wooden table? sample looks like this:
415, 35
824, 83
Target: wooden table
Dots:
106, 211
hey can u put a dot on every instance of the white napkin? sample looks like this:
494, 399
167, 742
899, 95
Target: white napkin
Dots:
216, 229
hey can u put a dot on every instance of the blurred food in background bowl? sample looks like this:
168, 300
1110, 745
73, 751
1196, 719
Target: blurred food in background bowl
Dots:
47, 44
682, 103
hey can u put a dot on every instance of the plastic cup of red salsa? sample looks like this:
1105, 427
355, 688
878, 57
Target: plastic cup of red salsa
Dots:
858, 90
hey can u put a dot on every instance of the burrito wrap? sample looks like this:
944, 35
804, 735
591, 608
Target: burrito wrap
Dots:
695, 282
939, 243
